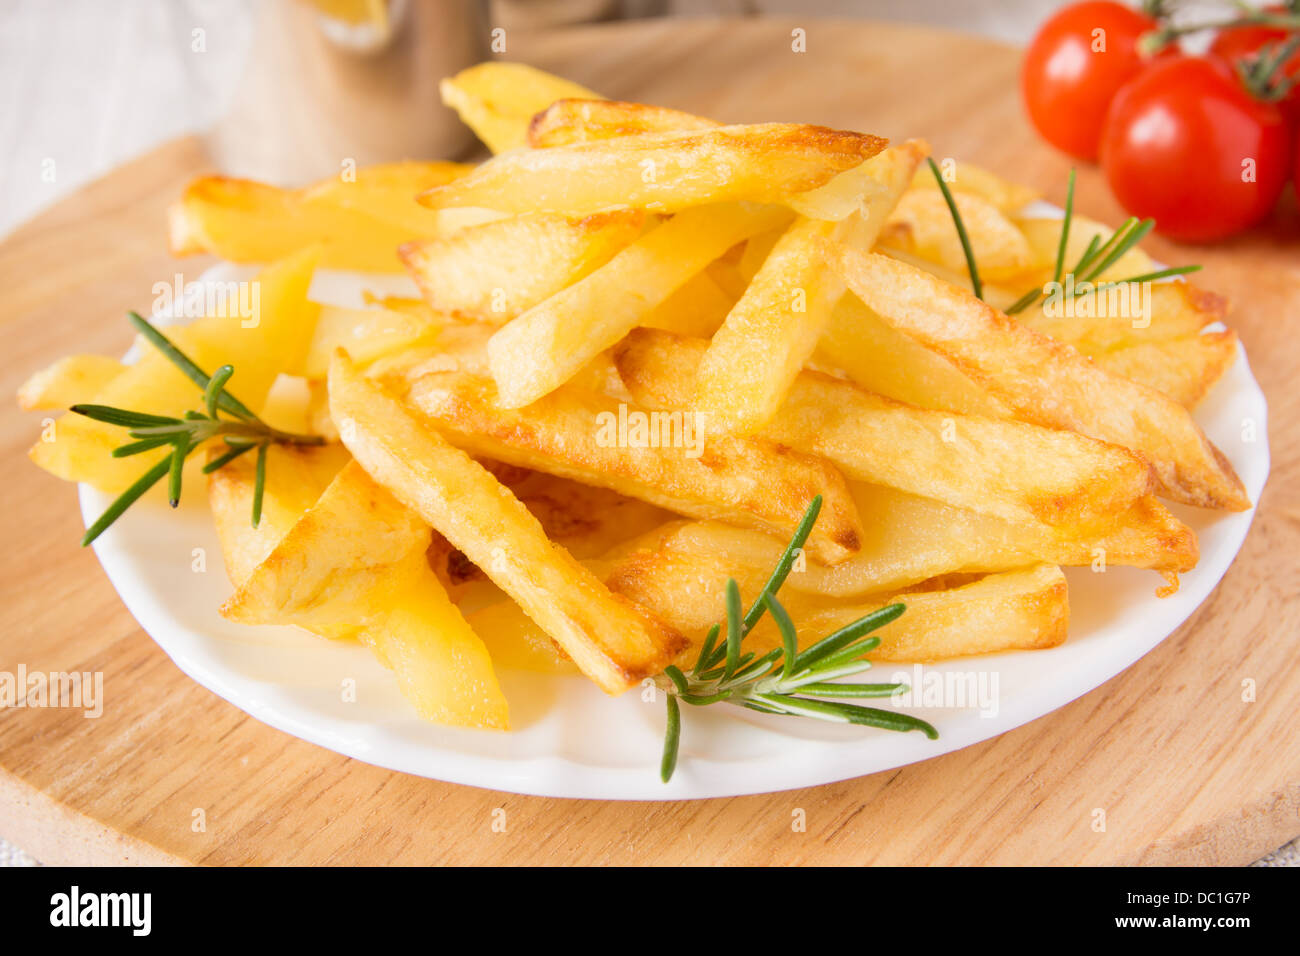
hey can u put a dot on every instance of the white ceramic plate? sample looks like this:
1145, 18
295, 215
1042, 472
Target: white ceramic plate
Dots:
570, 740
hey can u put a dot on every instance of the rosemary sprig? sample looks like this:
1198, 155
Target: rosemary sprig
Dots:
242, 432
1096, 259
976, 286
784, 680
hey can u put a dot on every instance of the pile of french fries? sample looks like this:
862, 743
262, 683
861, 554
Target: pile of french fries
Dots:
645, 341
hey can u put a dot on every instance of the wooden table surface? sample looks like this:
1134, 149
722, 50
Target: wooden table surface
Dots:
1185, 771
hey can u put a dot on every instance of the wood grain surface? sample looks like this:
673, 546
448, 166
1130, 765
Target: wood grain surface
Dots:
1185, 771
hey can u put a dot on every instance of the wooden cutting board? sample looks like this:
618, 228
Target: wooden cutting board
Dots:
1185, 771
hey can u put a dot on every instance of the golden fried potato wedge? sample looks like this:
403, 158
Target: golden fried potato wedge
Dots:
610, 640
1009, 469
68, 381
922, 225
1184, 369
497, 270
548, 344
971, 180
570, 121
656, 457
1044, 381
661, 172
296, 476
498, 100
773, 329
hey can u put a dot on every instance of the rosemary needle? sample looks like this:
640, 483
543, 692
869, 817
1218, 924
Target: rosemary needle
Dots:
976, 286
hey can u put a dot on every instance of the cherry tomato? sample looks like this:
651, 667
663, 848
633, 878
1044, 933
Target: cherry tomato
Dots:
1296, 152
1073, 68
1245, 42
1185, 144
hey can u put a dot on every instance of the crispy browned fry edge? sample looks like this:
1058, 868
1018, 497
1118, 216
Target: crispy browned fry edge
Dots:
1046, 382
749, 482
955, 458
611, 640
576, 121
808, 156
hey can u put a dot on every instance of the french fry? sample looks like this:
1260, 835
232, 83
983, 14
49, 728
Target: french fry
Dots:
337, 552
68, 381
698, 307
498, 100
548, 344
969, 179
497, 270
515, 642
275, 339
611, 641
773, 329
387, 192
580, 121
884, 360
245, 221
579, 434
1015, 610
296, 476
1160, 312
1184, 369
922, 225
353, 566
913, 539
1000, 296
661, 172
570, 121
1008, 469
1045, 382
870, 190
442, 666
366, 334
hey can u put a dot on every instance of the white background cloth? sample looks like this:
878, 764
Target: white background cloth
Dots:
92, 83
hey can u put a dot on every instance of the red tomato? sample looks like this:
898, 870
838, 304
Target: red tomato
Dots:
1185, 144
1296, 178
1073, 68
1244, 42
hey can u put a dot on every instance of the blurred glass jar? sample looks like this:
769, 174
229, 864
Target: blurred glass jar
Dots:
328, 83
